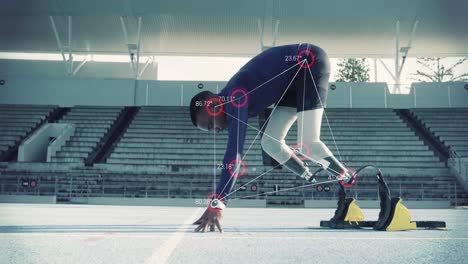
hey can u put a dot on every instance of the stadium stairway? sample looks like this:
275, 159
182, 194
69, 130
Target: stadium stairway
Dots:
449, 125
92, 123
116, 131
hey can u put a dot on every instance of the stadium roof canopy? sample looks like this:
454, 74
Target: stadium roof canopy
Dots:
233, 28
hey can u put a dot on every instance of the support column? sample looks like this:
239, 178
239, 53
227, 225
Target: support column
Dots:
68, 62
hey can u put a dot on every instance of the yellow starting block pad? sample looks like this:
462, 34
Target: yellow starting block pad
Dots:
393, 216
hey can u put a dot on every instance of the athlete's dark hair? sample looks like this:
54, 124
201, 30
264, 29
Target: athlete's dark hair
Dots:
194, 109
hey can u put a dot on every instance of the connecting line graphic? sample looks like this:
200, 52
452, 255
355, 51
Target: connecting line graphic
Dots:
295, 65
303, 106
259, 131
227, 195
236, 170
303, 154
326, 117
271, 113
302, 186
298, 151
214, 152
283, 190
214, 159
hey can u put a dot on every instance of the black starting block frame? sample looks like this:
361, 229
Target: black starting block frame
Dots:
393, 216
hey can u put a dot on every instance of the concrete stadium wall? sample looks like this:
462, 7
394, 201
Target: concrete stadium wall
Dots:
35, 148
172, 93
429, 95
39, 199
128, 92
67, 91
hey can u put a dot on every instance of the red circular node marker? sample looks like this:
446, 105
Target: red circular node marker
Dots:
220, 109
307, 53
353, 182
253, 188
242, 164
307, 150
244, 94
208, 200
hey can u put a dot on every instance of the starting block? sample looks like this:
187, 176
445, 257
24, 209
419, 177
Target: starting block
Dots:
393, 216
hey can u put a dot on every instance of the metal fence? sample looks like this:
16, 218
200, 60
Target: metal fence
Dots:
459, 166
66, 186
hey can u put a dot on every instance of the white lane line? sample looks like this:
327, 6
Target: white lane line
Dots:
227, 235
162, 254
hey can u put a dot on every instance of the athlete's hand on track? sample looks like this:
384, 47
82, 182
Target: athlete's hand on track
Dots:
209, 219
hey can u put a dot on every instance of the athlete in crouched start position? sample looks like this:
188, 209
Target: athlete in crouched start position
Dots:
295, 79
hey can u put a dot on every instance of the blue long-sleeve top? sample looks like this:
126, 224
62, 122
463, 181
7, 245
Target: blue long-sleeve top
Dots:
264, 79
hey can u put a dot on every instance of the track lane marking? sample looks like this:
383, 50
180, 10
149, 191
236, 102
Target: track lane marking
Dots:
162, 254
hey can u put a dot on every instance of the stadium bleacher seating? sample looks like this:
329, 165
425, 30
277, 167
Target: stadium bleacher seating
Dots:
160, 154
16, 121
91, 125
449, 125
381, 138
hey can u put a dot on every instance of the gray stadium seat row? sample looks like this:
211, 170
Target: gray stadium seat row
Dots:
450, 126
161, 154
91, 124
16, 121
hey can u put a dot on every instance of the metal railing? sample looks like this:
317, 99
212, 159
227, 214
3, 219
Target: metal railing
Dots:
423, 192
459, 166
72, 186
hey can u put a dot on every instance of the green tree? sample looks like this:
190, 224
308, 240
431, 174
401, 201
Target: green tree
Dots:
434, 70
352, 70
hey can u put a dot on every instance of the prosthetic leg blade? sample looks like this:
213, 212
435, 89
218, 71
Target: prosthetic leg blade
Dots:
385, 203
393, 216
